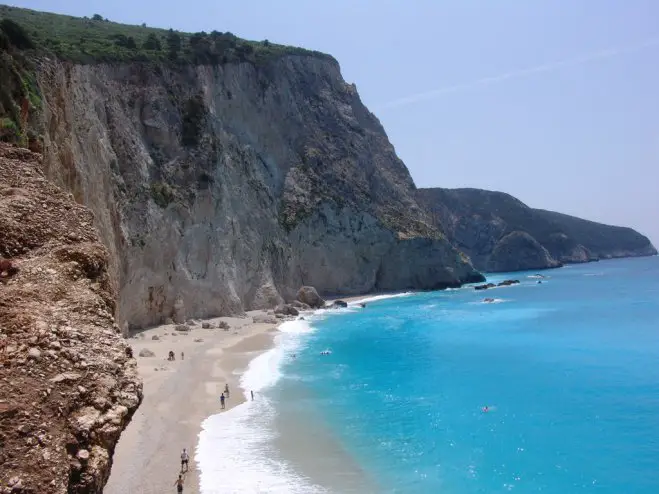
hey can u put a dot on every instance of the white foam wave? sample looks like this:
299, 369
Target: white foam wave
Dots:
235, 452
375, 298
236, 455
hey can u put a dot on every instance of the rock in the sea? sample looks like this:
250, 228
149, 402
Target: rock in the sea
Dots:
339, 304
145, 352
308, 295
182, 328
508, 283
484, 287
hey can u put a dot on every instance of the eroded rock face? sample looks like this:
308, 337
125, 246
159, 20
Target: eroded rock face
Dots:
289, 181
67, 385
518, 251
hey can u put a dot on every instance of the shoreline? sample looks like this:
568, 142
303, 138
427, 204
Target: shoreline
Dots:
179, 395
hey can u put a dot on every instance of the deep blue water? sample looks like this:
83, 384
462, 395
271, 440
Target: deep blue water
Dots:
569, 369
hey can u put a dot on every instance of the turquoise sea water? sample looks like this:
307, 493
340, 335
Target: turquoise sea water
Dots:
569, 369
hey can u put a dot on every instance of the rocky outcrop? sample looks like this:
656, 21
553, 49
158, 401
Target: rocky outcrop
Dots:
519, 251
500, 233
67, 384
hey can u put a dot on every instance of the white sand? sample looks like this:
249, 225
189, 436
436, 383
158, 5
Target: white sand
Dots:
178, 396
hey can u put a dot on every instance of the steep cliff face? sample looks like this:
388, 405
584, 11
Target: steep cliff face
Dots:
223, 188
67, 386
500, 233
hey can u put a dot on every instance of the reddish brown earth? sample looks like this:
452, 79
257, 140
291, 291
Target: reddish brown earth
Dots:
67, 386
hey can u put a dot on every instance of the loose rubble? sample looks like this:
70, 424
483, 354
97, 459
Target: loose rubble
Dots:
68, 386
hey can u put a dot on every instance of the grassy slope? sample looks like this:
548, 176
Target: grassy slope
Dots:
85, 40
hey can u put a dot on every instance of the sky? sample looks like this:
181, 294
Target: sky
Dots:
553, 101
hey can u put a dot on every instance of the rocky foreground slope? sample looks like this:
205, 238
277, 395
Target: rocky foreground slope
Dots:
501, 233
67, 387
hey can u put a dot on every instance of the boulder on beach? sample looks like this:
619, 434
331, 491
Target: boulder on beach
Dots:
339, 304
182, 328
299, 305
205, 325
286, 310
265, 319
145, 352
308, 295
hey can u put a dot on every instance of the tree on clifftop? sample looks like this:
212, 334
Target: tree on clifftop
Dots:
16, 35
173, 43
152, 43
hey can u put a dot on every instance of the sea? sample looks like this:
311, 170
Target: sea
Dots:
552, 387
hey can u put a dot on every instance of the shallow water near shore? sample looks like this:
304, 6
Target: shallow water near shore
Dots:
567, 369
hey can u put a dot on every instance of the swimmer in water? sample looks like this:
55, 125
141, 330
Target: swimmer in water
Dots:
486, 409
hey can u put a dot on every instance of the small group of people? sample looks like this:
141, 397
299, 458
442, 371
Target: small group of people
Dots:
223, 398
185, 459
171, 356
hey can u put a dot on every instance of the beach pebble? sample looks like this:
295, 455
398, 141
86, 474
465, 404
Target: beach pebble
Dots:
34, 353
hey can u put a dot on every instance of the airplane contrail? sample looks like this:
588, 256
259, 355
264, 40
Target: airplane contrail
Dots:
514, 74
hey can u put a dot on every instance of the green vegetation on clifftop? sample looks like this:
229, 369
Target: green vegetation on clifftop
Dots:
94, 40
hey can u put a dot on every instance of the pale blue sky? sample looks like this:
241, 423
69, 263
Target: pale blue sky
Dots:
577, 133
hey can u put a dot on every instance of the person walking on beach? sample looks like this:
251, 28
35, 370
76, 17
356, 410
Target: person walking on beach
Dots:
226, 390
182, 355
222, 401
185, 458
252, 395
179, 484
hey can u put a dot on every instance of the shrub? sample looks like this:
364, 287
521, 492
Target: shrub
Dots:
124, 41
152, 43
193, 116
97, 17
9, 131
162, 194
16, 35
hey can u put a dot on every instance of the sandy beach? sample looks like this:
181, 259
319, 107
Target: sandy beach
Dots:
179, 395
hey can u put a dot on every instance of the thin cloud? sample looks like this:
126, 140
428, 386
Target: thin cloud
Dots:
516, 74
